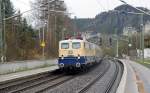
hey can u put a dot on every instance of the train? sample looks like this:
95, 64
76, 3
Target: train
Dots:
78, 54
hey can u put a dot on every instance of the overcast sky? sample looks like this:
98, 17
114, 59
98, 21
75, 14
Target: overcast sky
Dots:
86, 8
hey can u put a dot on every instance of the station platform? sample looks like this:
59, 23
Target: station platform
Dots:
16, 75
137, 79
143, 73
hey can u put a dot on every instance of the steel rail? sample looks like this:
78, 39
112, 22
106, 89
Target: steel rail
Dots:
56, 84
35, 85
112, 81
11, 83
83, 90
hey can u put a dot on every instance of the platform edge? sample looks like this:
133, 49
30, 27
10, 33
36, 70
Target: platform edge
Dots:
122, 84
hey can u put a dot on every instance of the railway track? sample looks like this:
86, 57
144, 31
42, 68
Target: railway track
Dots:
112, 84
54, 85
79, 83
35, 84
8, 84
28, 82
83, 90
81, 80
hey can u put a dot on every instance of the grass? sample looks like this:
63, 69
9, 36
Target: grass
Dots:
146, 63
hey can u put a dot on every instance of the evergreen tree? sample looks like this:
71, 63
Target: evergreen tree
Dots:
19, 35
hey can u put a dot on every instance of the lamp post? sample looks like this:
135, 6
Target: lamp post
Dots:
142, 37
1, 30
4, 33
117, 55
117, 39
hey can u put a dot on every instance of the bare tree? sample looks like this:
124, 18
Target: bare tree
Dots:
50, 16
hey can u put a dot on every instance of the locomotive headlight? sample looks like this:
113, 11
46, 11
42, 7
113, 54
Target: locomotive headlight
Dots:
62, 57
78, 56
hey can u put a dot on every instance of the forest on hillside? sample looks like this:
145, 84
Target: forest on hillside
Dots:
22, 41
18, 38
113, 21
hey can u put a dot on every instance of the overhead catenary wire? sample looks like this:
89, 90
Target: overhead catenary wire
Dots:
37, 8
147, 5
140, 10
33, 10
107, 4
103, 8
22, 2
142, 3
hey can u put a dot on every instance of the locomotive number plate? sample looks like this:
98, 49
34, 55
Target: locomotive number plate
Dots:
70, 52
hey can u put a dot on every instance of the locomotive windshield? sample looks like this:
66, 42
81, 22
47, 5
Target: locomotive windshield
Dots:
76, 45
64, 45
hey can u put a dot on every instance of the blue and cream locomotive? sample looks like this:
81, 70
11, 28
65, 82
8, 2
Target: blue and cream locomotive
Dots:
76, 53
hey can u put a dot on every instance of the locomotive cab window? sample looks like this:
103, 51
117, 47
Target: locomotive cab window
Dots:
64, 45
76, 45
